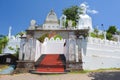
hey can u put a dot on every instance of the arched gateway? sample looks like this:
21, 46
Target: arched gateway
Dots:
54, 54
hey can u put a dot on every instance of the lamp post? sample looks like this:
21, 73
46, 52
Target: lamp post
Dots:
104, 32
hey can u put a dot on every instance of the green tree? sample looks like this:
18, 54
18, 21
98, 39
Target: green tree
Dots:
1, 36
41, 38
58, 36
71, 13
96, 31
112, 30
109, 36
3, 42
21, 33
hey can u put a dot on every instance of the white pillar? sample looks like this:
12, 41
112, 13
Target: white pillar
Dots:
76, 53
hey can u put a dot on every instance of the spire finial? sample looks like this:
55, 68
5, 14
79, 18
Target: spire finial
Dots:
9, 34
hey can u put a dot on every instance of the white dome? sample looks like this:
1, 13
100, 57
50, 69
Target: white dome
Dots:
51, 21
51, 17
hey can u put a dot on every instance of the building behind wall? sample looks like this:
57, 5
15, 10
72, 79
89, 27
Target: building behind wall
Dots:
8, 59
13, 43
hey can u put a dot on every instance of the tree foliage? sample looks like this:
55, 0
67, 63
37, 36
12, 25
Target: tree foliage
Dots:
112, 30
21, 33
71, 13
57, 36
109, 36
96, 31
94, 35
49, 35
3, 43
41, 39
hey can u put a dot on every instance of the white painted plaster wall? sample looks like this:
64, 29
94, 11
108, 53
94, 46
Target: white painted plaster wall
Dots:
101, 55
53, 46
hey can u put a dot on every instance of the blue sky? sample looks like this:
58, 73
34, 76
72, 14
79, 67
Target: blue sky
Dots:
18, 13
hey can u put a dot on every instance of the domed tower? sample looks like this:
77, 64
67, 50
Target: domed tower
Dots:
51, 21
85, 21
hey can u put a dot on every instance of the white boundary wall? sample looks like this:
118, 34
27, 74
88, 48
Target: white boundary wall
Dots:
51, 46
31, 50
101, 54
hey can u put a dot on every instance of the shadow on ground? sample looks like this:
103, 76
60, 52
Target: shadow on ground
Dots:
105, 75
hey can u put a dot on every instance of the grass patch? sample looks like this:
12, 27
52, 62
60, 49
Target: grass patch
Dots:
106, 69
79, 72
3, 67
98, 70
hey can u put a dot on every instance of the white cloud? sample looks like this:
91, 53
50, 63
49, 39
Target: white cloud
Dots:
92, 11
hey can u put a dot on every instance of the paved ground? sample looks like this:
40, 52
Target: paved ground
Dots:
109, 75
28, 76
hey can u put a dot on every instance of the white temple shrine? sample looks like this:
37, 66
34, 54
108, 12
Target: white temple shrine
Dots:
51, 21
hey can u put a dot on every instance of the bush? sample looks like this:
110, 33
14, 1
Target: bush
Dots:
41, 39
57, 36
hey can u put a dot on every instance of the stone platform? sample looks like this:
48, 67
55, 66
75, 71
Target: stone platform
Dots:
24, 66
74, 66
